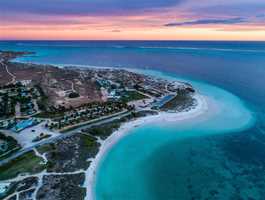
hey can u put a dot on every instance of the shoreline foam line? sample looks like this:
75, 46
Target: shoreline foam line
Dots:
106, 145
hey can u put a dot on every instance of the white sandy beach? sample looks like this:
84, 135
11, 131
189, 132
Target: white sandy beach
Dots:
106, 145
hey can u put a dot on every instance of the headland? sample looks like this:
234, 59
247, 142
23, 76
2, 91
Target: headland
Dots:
57, 123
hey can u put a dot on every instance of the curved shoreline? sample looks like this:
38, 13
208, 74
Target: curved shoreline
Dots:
106, 145
205, 104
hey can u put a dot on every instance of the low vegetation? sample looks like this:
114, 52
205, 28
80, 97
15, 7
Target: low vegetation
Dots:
71, 153
62, 187
132, 96
105, 130
11, 143
27, 163
73, 95
179, 103
43, 100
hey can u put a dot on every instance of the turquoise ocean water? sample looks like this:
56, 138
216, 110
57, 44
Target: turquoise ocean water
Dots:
216, 156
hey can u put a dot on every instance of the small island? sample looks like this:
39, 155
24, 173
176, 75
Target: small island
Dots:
54, 120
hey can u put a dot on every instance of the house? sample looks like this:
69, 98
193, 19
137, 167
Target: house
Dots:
24, 124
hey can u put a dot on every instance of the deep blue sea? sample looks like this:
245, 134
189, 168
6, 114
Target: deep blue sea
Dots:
221, 156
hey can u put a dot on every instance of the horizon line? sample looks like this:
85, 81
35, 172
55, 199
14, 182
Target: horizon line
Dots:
128, 40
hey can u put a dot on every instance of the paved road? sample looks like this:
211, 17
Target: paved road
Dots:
64, 135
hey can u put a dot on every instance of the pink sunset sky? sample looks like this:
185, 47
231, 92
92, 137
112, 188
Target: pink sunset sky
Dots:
133, 19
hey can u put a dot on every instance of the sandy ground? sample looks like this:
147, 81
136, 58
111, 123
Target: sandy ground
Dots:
26, 136
106, 145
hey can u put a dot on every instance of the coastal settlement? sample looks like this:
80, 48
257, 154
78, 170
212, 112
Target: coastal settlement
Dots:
53, 120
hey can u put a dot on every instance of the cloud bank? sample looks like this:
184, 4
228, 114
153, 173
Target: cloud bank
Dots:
236, 20
83, 7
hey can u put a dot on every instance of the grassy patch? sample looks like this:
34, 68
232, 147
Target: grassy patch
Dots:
46, 148
132, 96
27, 163
103, 131
88, 141
9, 153
13, 146
49, 114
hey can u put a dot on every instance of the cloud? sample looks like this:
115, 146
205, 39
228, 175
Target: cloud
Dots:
83, 7
262, 16
232, 8
116, 31
236, 20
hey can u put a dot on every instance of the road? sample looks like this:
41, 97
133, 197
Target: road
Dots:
12, 75
64, 135
73, 86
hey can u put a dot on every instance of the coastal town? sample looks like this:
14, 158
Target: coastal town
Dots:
53, 121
